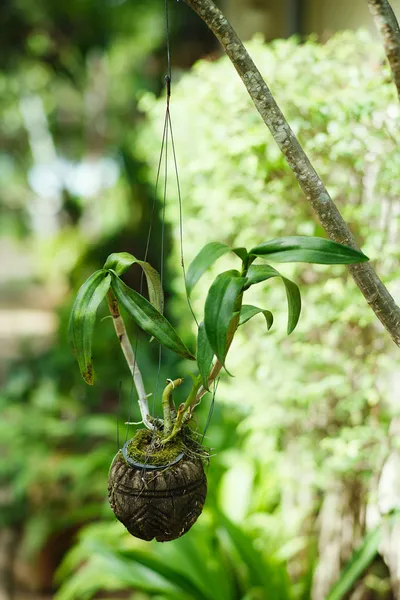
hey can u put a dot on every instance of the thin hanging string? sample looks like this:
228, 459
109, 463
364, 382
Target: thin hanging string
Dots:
131, 400
168, 80
130, 410
118, 412
180, 219
164, 149
164, 153
162, 254
211, 410
167, 34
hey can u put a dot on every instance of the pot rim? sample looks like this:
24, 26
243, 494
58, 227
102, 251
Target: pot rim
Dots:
137, 465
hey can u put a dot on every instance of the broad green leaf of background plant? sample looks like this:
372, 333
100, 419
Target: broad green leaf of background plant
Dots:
308, 249
83, 317
207, 257
204, 355
149, 318
268, 575
258, 273
248, 311
121, 261
219, 309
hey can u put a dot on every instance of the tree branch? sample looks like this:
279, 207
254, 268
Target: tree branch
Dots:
388, 27
376, 294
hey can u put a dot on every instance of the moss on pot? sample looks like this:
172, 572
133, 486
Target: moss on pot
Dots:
146, 448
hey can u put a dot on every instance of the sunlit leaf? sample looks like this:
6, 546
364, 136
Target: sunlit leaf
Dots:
82, 320
219, 310
259, 273
149, 318
205, 355
121, 261
205, 258
308, 249
248, 311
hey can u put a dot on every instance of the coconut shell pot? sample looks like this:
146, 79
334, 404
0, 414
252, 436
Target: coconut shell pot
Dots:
157, 491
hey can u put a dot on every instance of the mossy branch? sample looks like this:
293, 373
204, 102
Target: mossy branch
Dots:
127, 350
375, 293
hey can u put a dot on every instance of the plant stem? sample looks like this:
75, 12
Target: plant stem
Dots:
167, 406
198, 391
184, 411
127, 350
376, 294
388, 27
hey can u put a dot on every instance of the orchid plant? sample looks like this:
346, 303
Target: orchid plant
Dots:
224, 312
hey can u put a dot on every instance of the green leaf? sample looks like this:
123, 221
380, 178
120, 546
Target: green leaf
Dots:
358, 563
121, 261
185, 586
205, 258
248, 311
241, 253
309, 250
205, 355
149, 318
258, 273
219, 310
264, 573
82, 320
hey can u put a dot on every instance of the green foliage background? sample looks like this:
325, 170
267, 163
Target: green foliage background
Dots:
302, 412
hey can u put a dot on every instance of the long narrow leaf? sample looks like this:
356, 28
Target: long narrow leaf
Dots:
358, 563
121, 261
149, 318
219, 310
205, 355
82, 320
172, 576
259, 273
264, 573
309, 250
205, 258
248, 311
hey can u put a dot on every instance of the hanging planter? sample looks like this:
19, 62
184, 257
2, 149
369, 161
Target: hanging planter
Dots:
158, 491
157, 485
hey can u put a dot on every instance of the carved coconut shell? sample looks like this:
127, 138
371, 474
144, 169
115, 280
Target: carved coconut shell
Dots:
157, 502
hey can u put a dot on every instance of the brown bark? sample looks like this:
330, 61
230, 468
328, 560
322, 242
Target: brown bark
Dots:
375, 293
388, 27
